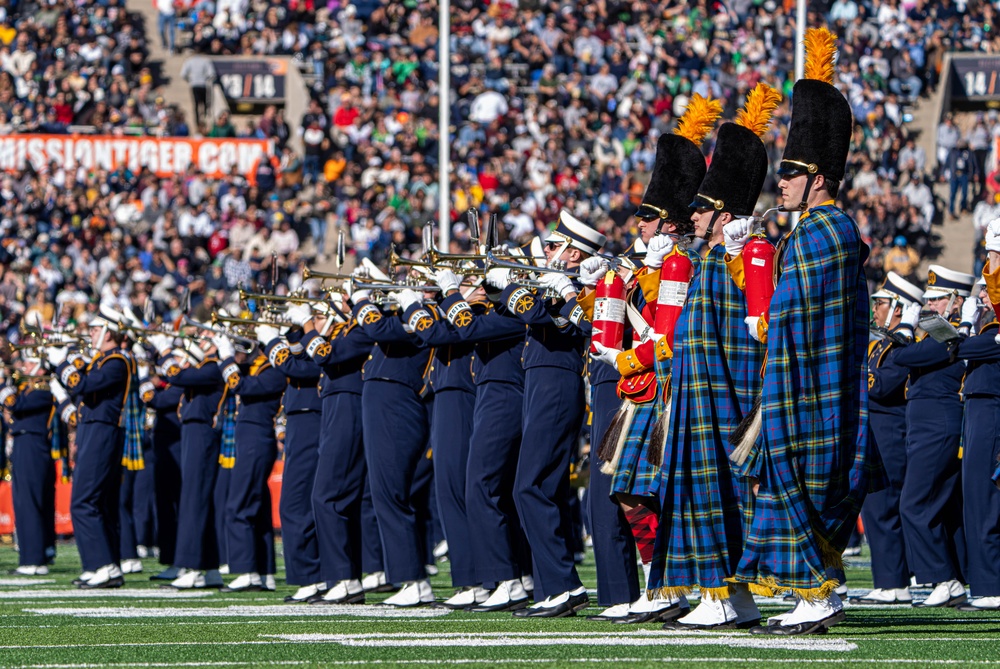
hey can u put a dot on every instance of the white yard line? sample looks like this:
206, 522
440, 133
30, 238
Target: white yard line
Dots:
276, 611
104, 594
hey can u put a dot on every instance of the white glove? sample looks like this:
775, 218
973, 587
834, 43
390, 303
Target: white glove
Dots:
498, 277
447, 280
911, 315
593, 270
970, 311
162, 343
407, 298
58, 391
558, 283
659, 248
266, 333
359, 295
143, 370
56, 356
224, 346
736, 233
993, 235
751, 322
604, 354
299, 314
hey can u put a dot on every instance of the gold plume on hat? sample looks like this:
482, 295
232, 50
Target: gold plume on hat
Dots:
821, 48
758, 109
698, 119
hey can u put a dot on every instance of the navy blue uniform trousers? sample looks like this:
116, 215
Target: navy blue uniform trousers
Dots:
553, 412
497, 540
451, 431
981, 448
880, 513
144, 506
197, 544
931, 499
338, 488
126, 515
372, 555
298, 526
614, 545
249, 527
167, 491
34, 493
394, 423
94, 501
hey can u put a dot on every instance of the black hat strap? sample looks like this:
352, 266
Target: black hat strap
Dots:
711, 225
802, 206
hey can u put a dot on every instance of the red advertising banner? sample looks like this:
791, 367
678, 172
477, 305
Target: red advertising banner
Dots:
164, 156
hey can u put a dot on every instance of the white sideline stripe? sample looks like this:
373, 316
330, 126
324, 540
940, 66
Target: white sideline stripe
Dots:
480, 661
276, 611
494, 639
22, 582
104, 594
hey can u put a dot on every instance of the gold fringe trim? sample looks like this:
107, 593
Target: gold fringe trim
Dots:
821, 48
668, 592
716, 594
822, 592
758, 109
699, 118
770, 587
832, 558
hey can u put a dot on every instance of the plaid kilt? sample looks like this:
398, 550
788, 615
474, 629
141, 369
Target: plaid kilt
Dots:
813, 457
634, 475
716, 375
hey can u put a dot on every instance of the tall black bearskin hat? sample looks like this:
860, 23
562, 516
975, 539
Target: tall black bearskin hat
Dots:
680, 165
739, 164
819, 134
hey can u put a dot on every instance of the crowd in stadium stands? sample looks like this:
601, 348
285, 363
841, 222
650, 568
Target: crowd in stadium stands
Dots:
553, 105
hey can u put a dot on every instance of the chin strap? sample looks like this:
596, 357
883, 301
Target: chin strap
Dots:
804, 204
711, 226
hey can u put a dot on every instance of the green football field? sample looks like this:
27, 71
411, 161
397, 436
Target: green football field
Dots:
46, 623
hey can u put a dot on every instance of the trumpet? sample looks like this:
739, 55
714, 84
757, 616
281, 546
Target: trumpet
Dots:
218, 319
493, 261
288, 299
225, 332
14, 348
325, 276
367, 284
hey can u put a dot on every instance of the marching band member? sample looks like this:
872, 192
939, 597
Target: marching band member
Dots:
164, 398
813, 462
930, 501
259, 388
101, 388
503, 561
303, 424
553, 413
887, 422
198, 376
393, 381
339, 481
32, 411
716, 378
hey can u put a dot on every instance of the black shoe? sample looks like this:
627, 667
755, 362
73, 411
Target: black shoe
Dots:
115, 582
659, 616
290, 599
356, 598
812, 627
565, 610
78, 581
598, 618
250, 588
512, 605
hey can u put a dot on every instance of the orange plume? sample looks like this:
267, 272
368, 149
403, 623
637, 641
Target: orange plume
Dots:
760, 105
698, 119
821, 48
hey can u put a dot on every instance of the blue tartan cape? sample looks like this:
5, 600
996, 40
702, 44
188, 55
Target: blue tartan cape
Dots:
716, 377
227, 430
813, 458
133, 419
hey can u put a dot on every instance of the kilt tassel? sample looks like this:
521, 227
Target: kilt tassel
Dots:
746, 434
832, 558
716, 594
822, 592
610, 451
668, 593
658, 438
770, 587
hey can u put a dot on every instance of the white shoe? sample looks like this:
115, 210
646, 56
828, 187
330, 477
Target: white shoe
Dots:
841, 591
431, 569
190, 578
131, 566
374, 581
614, 611
245, 582
886, 596
505, 597
743, 603
469, 596
346, 592
948, 593
646, 605
224, 569
528, 581
984, 603
142, 551
86, 576
32, 570
414, 593
303, 594
852, 552
104, 575
814, 611
441, 550
710, 613
269, 583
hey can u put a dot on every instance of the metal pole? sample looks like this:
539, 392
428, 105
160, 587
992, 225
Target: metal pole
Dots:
444, 122
800, 61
